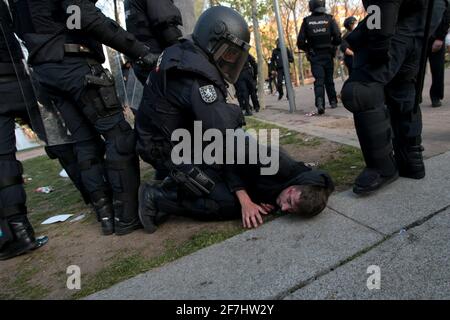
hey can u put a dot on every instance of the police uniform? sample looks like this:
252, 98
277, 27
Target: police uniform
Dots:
319, 36
246, 86
16, 233
67, 64
155, 23
277, 61
385, 68
189, 85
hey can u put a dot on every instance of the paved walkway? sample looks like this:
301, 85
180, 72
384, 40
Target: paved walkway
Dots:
337, 124
405, 234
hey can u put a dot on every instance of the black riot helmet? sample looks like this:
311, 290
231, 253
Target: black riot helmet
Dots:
224, 35
349, 22
317, 6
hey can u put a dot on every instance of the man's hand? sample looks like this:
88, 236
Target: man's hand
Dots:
251, 212
437, 45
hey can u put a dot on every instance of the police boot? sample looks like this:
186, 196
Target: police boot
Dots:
320, 106
151, 197
105, 214
125, 204
334, 105
374, 132
409, 158
21, 237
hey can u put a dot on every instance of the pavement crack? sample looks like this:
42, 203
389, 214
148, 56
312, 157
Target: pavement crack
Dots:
358, 254
358, 222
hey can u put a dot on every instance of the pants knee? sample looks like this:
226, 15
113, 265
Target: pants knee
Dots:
360, 97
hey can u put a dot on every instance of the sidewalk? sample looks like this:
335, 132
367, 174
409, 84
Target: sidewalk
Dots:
404, 233
337, 124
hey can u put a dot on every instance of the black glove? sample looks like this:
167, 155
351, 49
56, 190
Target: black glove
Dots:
149, 60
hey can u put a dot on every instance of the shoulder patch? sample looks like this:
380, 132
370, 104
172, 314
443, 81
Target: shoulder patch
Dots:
208, 93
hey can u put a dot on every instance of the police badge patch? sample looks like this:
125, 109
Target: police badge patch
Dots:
208, 93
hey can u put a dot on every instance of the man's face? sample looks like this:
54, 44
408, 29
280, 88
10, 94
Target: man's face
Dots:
289, 199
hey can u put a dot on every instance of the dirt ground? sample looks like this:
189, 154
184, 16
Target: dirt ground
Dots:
106, 260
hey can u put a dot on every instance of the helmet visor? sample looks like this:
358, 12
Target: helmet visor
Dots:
230, 57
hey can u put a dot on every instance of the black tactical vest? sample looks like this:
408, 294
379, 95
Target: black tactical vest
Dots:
318, 32
42, 25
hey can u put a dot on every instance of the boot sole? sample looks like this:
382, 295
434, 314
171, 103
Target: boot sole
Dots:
368, 191
31, 247
149, 227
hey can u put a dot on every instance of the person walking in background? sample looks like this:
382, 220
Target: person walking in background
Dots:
349, 24
277, 61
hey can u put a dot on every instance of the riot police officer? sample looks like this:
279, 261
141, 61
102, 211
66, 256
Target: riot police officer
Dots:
155, 23
349, 24
385, 68
189, 84
246, 86
16, 233
66, 53
277, 61
319, 36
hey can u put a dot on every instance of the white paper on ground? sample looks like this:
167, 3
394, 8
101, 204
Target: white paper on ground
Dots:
63, 174
59, 218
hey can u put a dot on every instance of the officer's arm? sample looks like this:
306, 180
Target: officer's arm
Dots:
301, 40
335, 33
442, 29
379, 38
105, 30
165, 17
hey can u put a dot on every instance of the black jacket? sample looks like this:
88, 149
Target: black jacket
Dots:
319, 33
277, 59
43, 25
266, 188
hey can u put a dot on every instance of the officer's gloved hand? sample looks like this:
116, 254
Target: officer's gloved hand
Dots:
149, 60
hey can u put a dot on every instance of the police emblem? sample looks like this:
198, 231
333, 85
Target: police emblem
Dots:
208, 93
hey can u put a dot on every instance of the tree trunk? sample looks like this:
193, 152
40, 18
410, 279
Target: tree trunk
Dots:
260, 56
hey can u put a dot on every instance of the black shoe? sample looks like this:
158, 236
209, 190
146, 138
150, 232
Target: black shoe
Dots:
24, 240
320, 110
371, 180
248, 114
280, 97
333, 105
147, 207
105, 214
436, 103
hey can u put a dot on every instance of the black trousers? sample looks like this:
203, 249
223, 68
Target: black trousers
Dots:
371, 88
87, 112
12, 192
246, 89
437, 66
322, 67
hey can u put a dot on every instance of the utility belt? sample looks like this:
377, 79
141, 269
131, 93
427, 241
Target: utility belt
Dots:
77, 49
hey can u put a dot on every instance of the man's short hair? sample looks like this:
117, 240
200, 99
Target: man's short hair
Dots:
313, 200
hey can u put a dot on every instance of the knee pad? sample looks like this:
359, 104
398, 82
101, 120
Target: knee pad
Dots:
360, 97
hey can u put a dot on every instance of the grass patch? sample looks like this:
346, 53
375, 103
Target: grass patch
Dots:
21, 287
346, 164
287, 136
123, 268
